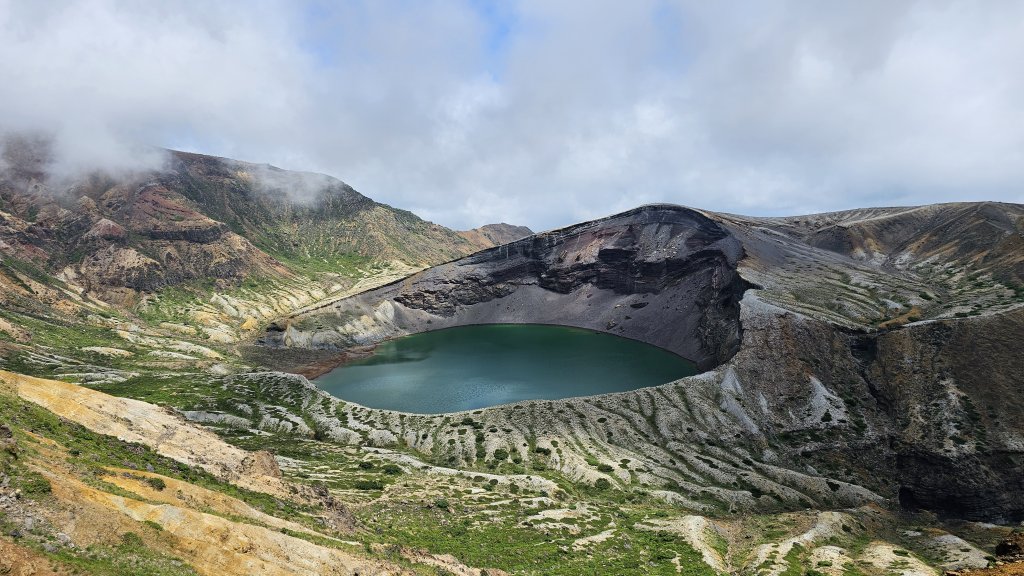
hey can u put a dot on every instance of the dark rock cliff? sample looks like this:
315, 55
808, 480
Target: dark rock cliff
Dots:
953, 392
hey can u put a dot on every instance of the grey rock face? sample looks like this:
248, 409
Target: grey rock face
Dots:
953, 393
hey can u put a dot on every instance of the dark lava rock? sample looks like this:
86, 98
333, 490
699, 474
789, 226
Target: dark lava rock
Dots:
1011, 547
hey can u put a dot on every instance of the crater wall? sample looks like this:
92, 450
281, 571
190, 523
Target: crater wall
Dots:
625, 275
839, 380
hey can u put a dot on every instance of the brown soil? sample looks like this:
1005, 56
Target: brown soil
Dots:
216, 534
1010, 552
18, 561
1008, 569
162, 430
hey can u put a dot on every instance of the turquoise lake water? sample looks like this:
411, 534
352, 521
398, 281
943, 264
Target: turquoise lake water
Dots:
472, 367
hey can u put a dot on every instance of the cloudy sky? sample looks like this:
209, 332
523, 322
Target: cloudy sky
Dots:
543, 112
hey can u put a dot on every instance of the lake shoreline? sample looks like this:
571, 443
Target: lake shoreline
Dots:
319, 367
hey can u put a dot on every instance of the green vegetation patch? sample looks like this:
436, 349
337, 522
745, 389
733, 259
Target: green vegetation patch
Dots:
489, 530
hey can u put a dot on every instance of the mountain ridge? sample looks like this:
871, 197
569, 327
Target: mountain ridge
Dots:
203, 216
858, 413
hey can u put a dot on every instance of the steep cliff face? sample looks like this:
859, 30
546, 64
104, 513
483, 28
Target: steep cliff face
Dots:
952, 390
928, 415
930, 299
623, 275
922, 308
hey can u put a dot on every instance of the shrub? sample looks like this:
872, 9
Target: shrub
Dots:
157, 484
392, 469
131, 540
369, 485
366, 465
602, 484
34, 484
604, 468
501, 454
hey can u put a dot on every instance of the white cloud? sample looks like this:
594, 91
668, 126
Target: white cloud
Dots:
548, 112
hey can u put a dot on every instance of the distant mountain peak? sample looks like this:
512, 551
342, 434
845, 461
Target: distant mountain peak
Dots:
495, 234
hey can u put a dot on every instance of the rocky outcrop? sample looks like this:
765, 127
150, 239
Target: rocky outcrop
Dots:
105, 229
116, 266
1012, 547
